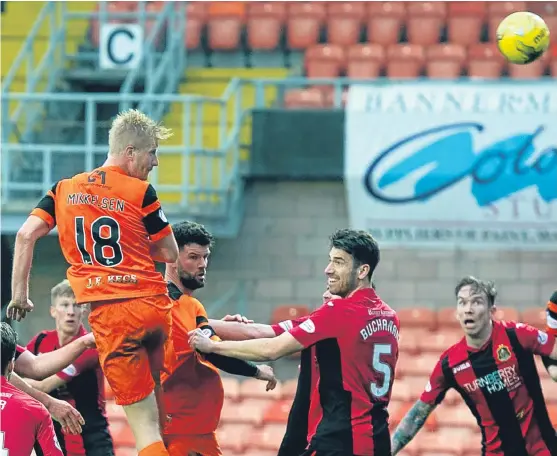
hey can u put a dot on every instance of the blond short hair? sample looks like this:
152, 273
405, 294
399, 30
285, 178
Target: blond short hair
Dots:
62, 289
136, 129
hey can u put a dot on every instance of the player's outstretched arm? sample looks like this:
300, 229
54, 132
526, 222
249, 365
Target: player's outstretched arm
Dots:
410, 425
47, 364
250, 350
164, 250
33, 229
61, 411
231, 330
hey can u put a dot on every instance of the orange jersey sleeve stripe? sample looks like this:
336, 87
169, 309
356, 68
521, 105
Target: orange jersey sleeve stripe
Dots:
161, 234
151, 207
43, 215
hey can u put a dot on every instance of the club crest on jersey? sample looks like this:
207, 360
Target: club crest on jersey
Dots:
542, 337
503, 353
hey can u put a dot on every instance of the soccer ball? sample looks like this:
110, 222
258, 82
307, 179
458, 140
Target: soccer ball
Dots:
522, 37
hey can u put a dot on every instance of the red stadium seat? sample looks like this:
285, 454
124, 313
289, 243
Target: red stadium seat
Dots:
324, 61
444, 442
344, 22
465, 21
225, 21
417, 384
232, 437
422, 318
534, 70
405, 60
497, 11
422, 365
535, 316
485, 61
283, 313
288, 389
364, 61
408, 341
249, 411
278, 411
196, 16
401, 391
264, 24
446, 318
507, 314
458, 416
445, 61
108, 393
438, 342
303, 99
111, 7
304, 24
384, 22
251, 388
425, 22
231, 387
268, 438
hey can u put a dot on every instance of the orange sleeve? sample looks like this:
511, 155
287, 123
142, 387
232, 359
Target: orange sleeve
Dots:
154, 220
45, 209
202, 322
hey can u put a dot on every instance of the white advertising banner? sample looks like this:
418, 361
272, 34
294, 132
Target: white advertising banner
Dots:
453, 164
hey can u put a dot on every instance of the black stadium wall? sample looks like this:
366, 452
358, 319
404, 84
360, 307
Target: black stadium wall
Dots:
297, 144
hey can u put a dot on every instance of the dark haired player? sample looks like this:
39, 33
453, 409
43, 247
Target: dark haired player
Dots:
355, 341
493, 369
25, 422
193, 392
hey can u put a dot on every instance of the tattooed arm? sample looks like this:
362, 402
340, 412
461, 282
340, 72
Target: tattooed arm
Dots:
410, 425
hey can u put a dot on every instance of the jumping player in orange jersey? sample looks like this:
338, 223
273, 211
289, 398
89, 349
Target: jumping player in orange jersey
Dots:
193, 392
111, 229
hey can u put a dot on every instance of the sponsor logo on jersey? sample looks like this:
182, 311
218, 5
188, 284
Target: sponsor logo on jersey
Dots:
287, 325
461, 367
308, 326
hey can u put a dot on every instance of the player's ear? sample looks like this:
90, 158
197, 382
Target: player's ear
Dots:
363, 271
52, 312
493, 310
128, 151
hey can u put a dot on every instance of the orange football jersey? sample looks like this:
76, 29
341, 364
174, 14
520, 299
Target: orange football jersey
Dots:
106, 221
193, 392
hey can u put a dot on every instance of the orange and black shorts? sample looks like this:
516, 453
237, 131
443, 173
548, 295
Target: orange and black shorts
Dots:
132, 337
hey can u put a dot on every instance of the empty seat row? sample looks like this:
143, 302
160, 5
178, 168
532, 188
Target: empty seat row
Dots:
366, 61
302, 24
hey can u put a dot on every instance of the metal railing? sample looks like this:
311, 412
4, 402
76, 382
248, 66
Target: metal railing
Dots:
41, 76
160, 68
216, 182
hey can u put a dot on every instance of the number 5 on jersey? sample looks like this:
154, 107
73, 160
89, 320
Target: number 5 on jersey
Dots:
381, 367
105, 236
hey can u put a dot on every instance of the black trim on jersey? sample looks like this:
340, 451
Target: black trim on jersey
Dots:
173, 291
452, 383
334, 431
232, 365
527, 368
500, 405
47, 205
381, 434
39, 451
200, 320
154, 223
37, 343
150, 196
296, 434
60, 436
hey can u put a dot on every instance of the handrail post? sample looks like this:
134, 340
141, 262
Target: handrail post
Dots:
90, 127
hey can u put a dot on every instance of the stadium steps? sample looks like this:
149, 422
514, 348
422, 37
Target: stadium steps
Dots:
17, 21
210, 82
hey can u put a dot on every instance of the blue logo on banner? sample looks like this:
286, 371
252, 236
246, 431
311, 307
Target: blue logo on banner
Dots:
497, 171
